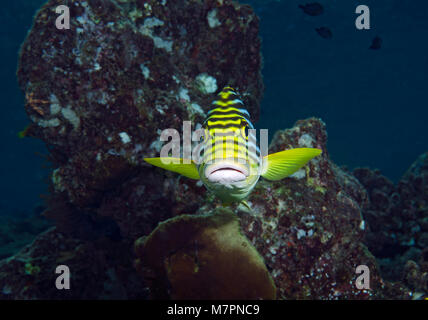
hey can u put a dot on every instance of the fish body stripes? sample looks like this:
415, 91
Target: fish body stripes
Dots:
230, 163
227, 126
228, 108
231, 159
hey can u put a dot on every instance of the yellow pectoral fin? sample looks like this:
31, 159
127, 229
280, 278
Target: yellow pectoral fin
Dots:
279, 165
178, 165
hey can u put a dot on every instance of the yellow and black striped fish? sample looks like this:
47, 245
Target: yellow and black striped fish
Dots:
231, 162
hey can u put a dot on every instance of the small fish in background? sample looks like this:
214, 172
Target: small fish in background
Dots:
324, 32
230, 169
312, 9
376, 43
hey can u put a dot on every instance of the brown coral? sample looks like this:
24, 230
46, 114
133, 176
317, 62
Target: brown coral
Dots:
204, 257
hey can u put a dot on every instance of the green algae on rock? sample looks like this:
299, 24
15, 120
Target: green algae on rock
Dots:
203, 257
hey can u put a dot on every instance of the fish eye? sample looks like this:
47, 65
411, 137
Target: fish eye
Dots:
244, 131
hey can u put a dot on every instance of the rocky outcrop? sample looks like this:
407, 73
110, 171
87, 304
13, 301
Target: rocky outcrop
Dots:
397, 219
99, 93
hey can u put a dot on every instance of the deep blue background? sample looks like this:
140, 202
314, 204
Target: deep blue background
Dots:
21, 171
374, 102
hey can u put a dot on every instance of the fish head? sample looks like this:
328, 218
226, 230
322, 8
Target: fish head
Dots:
230, 167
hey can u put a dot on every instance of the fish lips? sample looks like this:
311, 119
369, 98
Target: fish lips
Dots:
226, 172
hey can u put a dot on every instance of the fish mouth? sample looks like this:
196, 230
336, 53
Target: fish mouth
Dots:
226, 173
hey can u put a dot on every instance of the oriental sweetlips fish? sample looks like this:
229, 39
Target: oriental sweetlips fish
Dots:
231, 162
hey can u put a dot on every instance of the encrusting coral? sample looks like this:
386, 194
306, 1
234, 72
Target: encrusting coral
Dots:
203, 257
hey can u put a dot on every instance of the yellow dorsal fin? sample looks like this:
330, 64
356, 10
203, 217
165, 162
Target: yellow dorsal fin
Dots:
279, 165
188, 170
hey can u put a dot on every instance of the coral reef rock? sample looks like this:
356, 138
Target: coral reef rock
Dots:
100, 92
15, 232
99, 269
397, 221
309, 227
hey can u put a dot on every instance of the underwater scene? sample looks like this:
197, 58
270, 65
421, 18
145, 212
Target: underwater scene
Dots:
214, 150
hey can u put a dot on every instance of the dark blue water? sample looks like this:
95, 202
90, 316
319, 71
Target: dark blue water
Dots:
21, 170
374, 102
